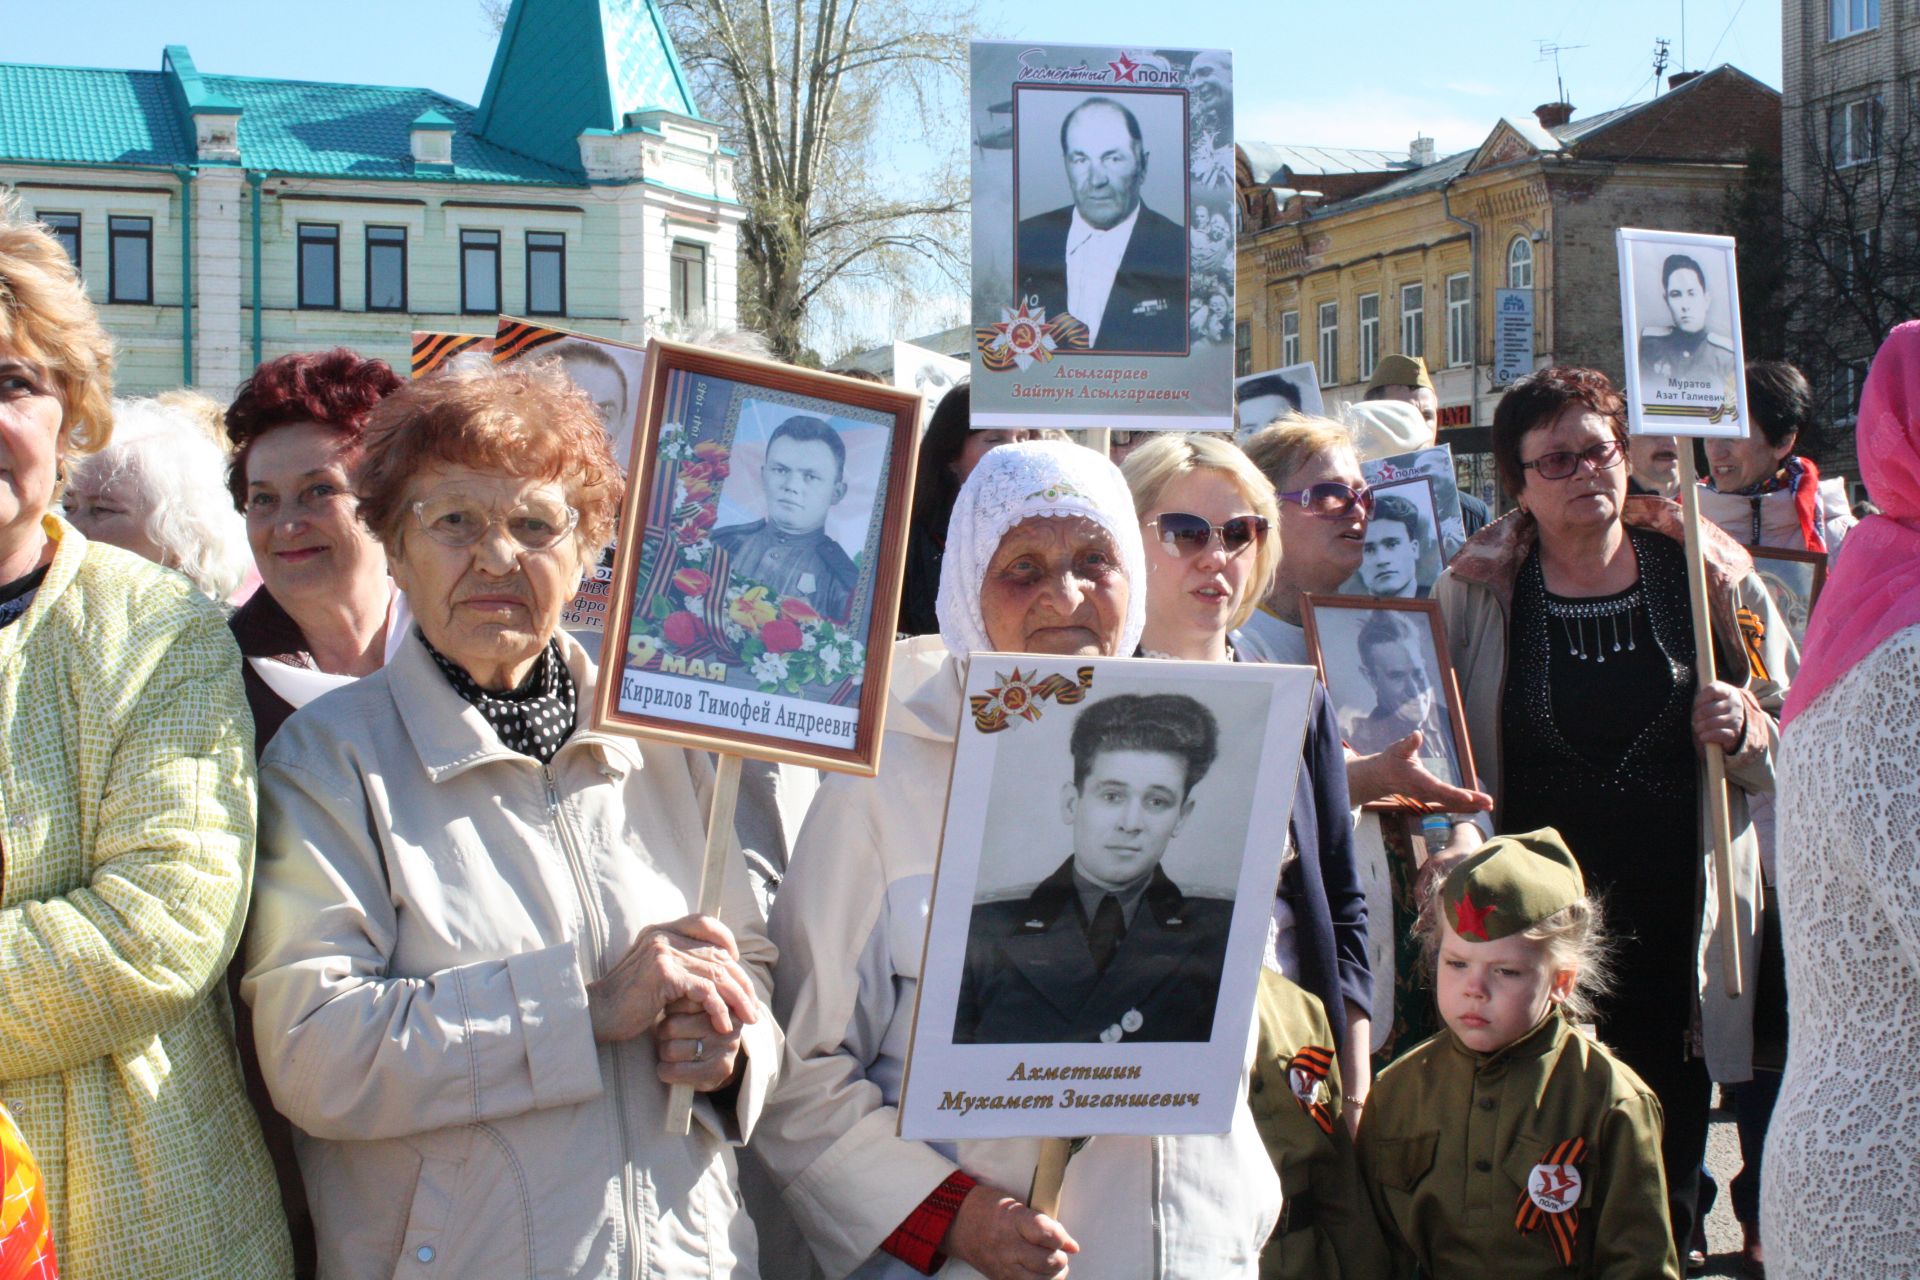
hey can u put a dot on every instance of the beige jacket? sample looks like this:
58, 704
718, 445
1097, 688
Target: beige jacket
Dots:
429, 908
851, 921
1753, 652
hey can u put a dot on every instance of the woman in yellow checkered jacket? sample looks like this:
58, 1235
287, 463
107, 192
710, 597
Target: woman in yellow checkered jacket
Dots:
126, 842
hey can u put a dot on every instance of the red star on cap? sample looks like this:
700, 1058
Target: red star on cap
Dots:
1124, 68
1469, 920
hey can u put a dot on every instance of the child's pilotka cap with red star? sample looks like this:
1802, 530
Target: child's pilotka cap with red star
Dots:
1511, 884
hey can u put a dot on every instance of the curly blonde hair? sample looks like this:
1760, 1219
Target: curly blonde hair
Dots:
46, 316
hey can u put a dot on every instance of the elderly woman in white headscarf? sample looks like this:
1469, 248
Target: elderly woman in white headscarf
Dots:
1043, 556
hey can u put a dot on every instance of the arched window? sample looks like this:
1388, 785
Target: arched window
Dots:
1520, 263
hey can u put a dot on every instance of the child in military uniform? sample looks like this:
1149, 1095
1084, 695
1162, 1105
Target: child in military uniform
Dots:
1327, 1229
1511, 1144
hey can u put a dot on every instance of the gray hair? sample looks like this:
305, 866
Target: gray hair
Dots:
174, 475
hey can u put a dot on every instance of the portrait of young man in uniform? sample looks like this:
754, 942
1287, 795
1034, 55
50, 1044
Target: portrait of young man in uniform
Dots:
1109, 260
1685, 351
1108, 944
1398, 537
790, 551
1393, 660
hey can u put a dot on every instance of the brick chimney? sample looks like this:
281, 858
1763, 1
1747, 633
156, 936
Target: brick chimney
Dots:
1679, 78
1420, 152
1552, 115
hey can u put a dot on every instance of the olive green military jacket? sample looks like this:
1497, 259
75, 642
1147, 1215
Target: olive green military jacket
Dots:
1452, 1140
1327, 1230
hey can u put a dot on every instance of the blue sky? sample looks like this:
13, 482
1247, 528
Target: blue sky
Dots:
1362, 73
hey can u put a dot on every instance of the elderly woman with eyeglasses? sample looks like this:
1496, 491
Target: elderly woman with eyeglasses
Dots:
1571, 629
474, 973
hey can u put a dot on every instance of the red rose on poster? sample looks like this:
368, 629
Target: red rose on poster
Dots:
780, 636
796, 610
704, 518
680, 629
692, 582
697, 471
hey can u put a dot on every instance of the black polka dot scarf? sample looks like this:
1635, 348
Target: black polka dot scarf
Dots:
533, 719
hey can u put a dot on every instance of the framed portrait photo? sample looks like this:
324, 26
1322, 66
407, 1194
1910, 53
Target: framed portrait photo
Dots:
1103, 237
1262, 399
1401, 553
1680, 312
761, 550
1386, 667
1437, 466
1794, 578
1113, 840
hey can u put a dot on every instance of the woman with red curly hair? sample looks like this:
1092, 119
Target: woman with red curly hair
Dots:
1571, 628
473, 970
326, 612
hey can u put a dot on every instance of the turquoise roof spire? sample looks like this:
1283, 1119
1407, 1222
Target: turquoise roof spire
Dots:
565, 66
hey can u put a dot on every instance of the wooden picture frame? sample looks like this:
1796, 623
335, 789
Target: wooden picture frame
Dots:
764, 637
1352, 690
1795, 578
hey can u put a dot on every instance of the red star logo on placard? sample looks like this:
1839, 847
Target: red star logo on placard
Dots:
1124, 68
1469, 920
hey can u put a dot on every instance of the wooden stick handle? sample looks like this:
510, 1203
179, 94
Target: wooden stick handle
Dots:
1100, 440
1717, 813
713, 884
1048, 1174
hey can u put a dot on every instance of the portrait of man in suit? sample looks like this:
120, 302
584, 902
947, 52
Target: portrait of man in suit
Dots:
790, 550
1109, 260
1107, 947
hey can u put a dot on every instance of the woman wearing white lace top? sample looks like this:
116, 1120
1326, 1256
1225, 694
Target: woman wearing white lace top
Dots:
1843, 1158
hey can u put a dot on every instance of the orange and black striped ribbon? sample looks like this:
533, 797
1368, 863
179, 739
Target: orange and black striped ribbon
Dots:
1314, 1062
431, 349
516, 337
1562, 1227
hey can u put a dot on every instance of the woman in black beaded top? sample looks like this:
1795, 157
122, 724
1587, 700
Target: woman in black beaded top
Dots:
1571, 628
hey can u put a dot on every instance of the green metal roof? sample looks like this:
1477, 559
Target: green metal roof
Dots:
88, 116
565, 66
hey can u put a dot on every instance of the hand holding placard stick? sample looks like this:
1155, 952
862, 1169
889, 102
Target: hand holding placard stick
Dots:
713, 883
1685, 377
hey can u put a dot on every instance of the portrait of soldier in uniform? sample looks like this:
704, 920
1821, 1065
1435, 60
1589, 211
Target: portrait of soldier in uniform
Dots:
1398, 538
1109, 260
789, 550
1107, 946
1685, 351
1394, 662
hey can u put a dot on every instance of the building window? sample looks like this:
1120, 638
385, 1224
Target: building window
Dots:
1850, 17
480, 272
130, 260
689, 283
1853, 132
319, 267
1459, 320
386, 268
1413, 319
1848, 379
546, 273
1329, 343
1369, 333
1289, 338
66, 229
1520, 263
1242, 349
1853, 257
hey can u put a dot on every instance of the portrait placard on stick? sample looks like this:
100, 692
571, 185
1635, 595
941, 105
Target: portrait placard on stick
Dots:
1794, 579
761, 553
1100, 979
1680, 310
1262, 399
1103, 237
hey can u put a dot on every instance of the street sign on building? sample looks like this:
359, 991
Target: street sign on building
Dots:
1512, 335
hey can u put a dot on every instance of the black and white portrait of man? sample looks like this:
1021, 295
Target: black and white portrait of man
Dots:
1398, 544
1686, 349
789, 550
610, 377
1108, 258
1107, 945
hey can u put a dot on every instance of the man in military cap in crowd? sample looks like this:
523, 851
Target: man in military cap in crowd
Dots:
790, 551
1685, 352
1108, 947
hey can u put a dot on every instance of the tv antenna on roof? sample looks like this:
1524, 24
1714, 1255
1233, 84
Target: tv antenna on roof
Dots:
1553, 51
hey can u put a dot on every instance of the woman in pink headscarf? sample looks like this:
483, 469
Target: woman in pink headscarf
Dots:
1843, 1156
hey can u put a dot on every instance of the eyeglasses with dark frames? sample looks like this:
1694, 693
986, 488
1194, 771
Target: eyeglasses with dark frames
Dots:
1562, 463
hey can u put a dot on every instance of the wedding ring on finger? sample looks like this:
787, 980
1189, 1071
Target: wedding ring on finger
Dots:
699, 1050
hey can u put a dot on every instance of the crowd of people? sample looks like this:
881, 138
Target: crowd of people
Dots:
335, 941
